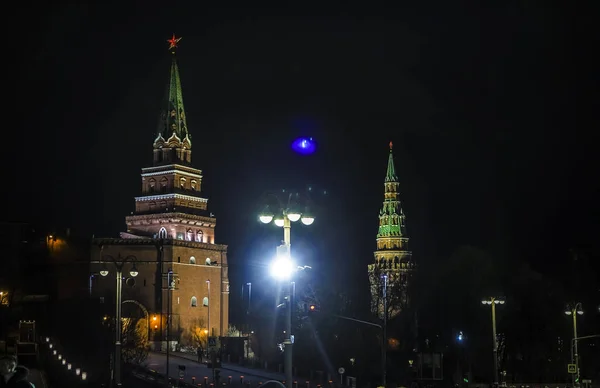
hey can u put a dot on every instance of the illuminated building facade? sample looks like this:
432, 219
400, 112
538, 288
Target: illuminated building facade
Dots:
170, 230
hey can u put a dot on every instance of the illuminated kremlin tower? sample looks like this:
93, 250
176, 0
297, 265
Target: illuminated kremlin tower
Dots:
392, 257
182, 273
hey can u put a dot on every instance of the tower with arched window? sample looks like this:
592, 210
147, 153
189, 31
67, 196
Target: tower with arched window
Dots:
392, 257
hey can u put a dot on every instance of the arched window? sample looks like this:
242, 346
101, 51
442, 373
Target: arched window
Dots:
193, 185
192, 260
182, 183
151, 185
205, 301
190, 235
194, 302
164, 182
162, 233
208, 261
199, 236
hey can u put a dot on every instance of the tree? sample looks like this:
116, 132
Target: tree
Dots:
232, 331
396, 289
135, 340
196, 335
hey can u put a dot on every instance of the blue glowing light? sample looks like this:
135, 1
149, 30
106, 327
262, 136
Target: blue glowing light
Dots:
304, 145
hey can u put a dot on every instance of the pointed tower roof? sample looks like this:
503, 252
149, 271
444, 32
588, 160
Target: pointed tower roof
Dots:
172, 119
390, 176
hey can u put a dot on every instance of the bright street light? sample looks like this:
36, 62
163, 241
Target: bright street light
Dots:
282, 268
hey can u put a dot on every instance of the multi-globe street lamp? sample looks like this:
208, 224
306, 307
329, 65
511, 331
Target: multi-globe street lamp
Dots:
575, 310
283, 267
493, 301
119, 263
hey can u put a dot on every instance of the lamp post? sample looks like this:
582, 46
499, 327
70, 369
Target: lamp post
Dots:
208, 309
119, 263
283, 267
384, 336
575, 310
493, 301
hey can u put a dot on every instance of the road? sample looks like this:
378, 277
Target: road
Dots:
157, 362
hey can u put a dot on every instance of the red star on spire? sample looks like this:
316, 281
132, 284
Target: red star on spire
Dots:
173, 42
391, 145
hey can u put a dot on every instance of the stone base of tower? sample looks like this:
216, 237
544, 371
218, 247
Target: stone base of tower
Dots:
397, 288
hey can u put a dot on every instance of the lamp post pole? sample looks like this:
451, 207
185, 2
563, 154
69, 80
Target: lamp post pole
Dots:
170, 286
208, 309
118, 327
495, 339
493, 301
574, 311
119, 264
288, 361
287, 215
384, 336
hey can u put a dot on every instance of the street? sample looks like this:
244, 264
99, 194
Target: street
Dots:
157, 362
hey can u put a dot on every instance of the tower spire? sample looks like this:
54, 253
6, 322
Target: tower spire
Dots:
172, 127
173, 142
390, 176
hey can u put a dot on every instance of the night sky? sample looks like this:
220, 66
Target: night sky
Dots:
479, 102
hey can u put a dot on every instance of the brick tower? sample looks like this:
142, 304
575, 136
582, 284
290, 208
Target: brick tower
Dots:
392, 257
171, 230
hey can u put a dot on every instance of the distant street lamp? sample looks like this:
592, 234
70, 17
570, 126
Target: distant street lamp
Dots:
493, 301
575, 310
119, 263
283, 267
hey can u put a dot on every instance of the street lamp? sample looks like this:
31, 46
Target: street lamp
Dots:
119, 263
575, 310
283, 267
493, 301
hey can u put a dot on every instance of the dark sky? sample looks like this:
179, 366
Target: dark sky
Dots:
491, 148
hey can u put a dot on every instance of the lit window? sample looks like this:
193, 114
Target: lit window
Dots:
192, 260
182, 183
189, 235
199, 236
194, 302
162, 233
205, 301
193, 185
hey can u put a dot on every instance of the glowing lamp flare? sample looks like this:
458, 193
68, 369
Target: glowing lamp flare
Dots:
282, 268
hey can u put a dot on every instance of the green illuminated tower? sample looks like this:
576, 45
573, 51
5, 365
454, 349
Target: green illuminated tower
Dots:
392, 257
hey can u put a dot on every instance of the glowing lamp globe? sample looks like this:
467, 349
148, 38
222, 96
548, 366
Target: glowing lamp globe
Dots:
293, 216
279, 222
265, 218
307, 220
304, 145
282, 268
